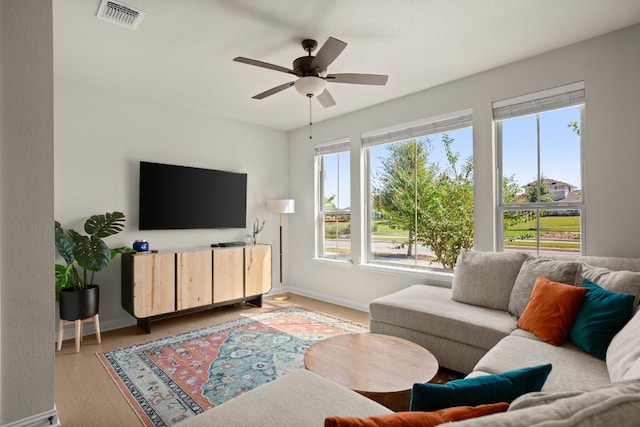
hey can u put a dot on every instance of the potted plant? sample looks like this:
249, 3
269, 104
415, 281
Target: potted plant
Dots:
78, 295
257, 228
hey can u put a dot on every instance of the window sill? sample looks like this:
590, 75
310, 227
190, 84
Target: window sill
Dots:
443, 277
334, 262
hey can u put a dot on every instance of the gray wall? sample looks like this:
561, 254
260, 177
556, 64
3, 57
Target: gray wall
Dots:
610, 68
101, 138
26, 209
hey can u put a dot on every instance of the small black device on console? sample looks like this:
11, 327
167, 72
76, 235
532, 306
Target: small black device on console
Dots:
231, 244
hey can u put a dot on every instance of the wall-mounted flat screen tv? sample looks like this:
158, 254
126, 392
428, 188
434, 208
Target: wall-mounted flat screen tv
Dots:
181, 197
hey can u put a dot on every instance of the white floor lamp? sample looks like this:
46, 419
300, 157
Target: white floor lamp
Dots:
281, 206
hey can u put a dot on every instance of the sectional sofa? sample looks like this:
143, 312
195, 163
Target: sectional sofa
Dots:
473, 328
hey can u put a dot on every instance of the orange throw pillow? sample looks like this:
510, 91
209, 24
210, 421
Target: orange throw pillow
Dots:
551, 310
418, 419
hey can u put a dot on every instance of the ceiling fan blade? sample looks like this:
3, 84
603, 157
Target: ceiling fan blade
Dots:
326, 100
328, 53
358, 79
273, 91
264, 65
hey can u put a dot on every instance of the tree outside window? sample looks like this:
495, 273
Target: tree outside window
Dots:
421, 195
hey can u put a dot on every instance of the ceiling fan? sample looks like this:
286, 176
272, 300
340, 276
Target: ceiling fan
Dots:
312, 72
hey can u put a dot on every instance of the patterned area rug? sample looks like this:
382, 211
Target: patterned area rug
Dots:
171, 379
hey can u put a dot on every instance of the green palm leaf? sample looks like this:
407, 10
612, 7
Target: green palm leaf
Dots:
64, 244
121, 250
105, 225
91, 252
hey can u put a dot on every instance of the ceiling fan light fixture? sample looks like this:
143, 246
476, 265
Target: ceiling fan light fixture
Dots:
312, 72
310, 85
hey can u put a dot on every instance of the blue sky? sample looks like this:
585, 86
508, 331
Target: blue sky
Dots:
559, 147
336, 173
559, 152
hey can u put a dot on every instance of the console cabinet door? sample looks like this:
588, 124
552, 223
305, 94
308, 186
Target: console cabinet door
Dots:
257, 269
228, 274
194, 279
154, 289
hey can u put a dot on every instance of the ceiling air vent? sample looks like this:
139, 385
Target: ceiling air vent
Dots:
120, 14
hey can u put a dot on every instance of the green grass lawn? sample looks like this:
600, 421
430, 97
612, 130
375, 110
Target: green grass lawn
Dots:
383, 227
384, 231
557, 245
548, 224
552, 223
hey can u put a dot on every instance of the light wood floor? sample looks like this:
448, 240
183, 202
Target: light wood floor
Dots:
86, 396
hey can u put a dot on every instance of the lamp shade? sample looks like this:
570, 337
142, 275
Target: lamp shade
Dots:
310, 85
281, 206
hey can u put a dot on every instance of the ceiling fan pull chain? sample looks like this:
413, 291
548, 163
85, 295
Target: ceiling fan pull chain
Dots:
310, 121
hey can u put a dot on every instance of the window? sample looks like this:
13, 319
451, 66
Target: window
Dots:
541, 202
333, 202
419, 192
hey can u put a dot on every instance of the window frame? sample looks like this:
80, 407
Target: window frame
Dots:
571, 99
338, 146
436, 125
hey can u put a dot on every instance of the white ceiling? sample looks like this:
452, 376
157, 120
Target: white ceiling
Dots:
182, 52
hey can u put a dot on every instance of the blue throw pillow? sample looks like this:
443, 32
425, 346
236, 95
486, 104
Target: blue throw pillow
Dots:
602, 315
480, 390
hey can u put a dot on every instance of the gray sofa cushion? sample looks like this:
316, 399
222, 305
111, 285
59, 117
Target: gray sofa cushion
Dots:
545, 397
633, 372
626, 282
624, 349
614, 405
572, 368
486, 278
450, 354
610, 395
612, 263
430, 310
554, 270
300, 398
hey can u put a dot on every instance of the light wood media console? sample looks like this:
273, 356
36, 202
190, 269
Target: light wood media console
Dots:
165, 284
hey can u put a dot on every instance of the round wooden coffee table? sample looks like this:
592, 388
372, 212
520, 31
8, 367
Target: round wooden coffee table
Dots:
380, 367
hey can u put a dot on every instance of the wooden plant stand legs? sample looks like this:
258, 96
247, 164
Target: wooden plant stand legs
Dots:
78, 324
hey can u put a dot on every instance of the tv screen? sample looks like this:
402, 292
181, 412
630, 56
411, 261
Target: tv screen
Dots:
180, 197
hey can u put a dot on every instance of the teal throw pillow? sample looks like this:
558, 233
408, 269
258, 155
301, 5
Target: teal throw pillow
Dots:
602, 315
480, 390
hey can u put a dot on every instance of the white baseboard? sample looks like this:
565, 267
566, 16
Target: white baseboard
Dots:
326, 298
45, 419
